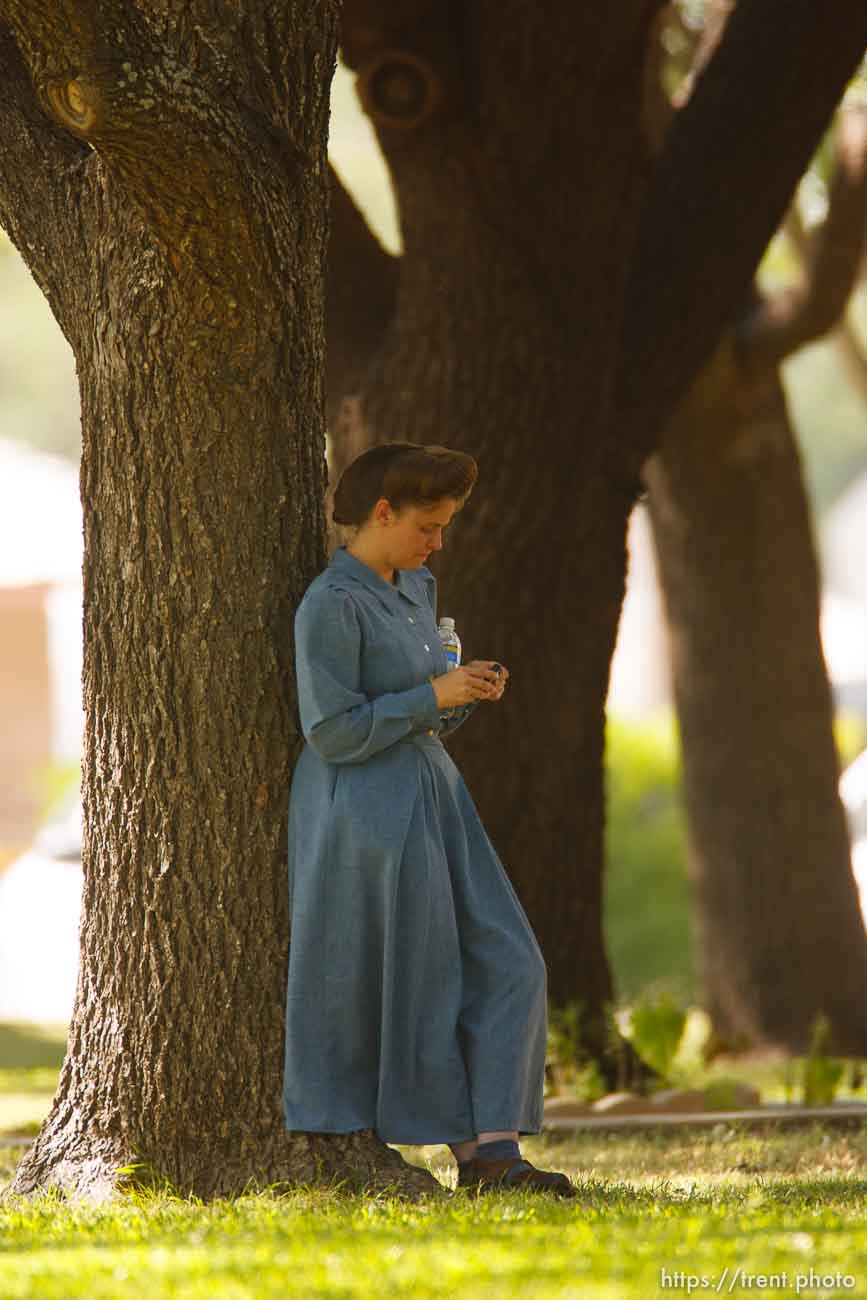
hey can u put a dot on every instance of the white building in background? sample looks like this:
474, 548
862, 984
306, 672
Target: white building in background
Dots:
844, 543
41, 718
40, 902
41, 722
844, 608
640, 682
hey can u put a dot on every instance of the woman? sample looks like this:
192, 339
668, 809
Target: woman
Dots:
416, 1001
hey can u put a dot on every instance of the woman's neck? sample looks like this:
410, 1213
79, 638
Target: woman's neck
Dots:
387, 575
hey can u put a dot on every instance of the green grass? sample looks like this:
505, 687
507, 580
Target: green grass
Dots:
30, 1058
691, 1202
647, 919
27, 1047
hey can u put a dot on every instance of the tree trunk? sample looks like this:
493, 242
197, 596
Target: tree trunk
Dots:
197, 329
487, 353
779, 931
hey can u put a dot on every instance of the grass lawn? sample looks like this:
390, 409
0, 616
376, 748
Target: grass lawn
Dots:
658, 1213
30, 1057
692, 1203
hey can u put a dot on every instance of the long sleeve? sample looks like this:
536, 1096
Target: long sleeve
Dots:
338, 720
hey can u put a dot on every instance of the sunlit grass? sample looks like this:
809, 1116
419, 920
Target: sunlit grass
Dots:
688, 1201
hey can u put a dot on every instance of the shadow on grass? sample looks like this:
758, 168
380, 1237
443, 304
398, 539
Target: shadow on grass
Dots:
29, 1047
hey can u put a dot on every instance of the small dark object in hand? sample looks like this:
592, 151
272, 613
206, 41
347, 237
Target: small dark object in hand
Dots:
498, 668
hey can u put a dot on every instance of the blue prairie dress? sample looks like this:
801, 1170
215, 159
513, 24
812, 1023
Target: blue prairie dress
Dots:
417, 992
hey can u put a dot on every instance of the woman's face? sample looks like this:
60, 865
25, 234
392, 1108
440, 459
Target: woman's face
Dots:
416, 532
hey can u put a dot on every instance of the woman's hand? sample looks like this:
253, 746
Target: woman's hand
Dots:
478, 680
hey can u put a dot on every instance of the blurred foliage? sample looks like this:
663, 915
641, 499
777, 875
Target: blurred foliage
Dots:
54, 783
39, 401
646, 905
38, 1050
850, 735
568, 1068
822, 1073
722, 1094
656, 1026
647, 910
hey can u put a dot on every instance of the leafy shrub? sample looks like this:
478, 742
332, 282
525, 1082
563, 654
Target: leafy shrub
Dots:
656, 1028
822, 1073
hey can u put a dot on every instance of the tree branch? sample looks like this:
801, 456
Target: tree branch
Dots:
199, 169
729, 166
361, 284
42, 170
844, 337
787, 320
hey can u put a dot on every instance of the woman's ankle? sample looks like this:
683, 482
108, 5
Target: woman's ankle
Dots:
463, 1151
502, 1135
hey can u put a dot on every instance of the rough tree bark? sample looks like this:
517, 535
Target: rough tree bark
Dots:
173, 209
526, 191
779, 931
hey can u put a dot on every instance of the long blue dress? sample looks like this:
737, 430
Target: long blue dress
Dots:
417, 992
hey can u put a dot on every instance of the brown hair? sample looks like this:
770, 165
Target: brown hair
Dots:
405, 473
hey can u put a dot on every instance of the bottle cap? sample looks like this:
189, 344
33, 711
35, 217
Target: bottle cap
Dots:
448, 622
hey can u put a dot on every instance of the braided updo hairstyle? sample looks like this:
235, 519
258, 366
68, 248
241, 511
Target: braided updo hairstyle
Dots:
405, 473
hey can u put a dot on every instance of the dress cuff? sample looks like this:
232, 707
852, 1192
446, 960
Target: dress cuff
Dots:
422, 704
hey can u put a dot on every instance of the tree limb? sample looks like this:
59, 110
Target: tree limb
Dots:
198, 168
42, 169
726, 174
361, 284
786, 320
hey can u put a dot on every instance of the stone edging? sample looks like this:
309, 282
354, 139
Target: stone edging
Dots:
851, 1113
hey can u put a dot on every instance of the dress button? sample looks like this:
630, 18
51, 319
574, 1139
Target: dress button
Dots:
427, 647
430, 731
412, 620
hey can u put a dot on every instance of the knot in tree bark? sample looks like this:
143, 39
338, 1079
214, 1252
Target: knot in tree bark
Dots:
77, 105
399, 89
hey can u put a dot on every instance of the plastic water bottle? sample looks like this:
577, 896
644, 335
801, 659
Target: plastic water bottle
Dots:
451, 642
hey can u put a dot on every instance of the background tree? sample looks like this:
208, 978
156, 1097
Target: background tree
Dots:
554, 299
779, 935
163, 172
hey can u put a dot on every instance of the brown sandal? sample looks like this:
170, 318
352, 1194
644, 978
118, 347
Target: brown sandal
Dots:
488, 1176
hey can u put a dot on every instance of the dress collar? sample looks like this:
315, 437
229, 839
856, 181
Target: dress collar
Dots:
405, 583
